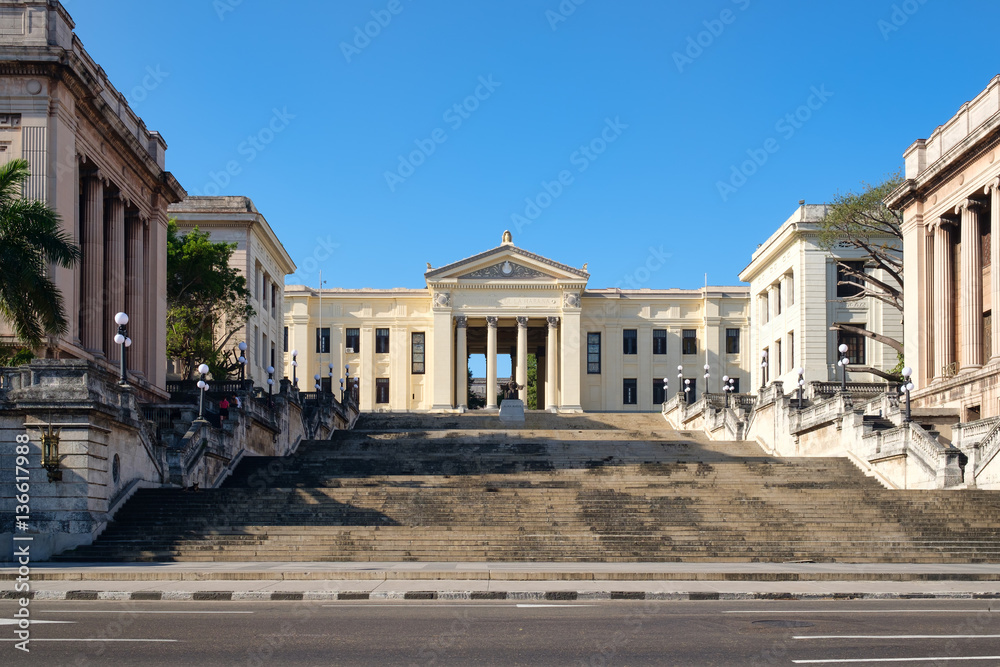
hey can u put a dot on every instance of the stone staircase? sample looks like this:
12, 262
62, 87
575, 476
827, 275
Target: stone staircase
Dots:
612, 487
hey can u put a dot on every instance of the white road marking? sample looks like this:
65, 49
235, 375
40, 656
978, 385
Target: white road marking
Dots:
534, 606
131, 611
765, 612
856, 660
14, 621
159, 641
897, 637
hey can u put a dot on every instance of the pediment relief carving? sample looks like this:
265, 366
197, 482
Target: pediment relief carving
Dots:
506, 270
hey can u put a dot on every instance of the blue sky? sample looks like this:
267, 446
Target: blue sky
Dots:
642, 107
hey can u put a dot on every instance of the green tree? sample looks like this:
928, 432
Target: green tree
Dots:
532, 382
30, 239
207, 301
475, 402
861, 220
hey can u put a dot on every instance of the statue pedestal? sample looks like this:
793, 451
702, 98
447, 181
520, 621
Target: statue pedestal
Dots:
512, 410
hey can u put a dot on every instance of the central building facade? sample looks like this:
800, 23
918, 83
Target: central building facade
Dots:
596, 350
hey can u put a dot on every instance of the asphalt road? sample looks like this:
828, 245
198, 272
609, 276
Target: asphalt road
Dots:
924, 632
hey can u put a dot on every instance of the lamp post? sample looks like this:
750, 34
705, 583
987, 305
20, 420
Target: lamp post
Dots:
687, 391
50, 453
707, 375
347, 378
763, 369
906, 389
121, 338
666, 384
270, 383
802, 384
295, 365
331, 378
342, 397
726, 388
843, 365
242, 358
317, 385
203, 387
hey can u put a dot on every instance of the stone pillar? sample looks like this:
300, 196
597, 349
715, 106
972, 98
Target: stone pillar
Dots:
993, 189
570, 360
461, 363
551, 370
943, 340
134, 289
491, 363
442, 361
972, 286
114, 274
91, 303
522, 358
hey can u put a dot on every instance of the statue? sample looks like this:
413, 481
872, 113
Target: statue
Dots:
507, 238
511, 388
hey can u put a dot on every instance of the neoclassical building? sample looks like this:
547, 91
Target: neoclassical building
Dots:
797, 296
263, 261
94, 161
596, 350
951, 204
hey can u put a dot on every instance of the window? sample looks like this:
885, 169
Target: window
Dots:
274, 300
777, 298
594, 353
417, 353
630, 344
765, 366
791, 349
735, 384
263, 352
690, 342
766, 306
848, 285
692, 395
352, 340
323, 340
790, 279
855, 346
732, 341
273, 350
381, 341
777, 357
659, 343
381, 390
659, 396
629, 392
286, 340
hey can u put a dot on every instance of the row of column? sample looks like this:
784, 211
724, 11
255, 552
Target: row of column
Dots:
115, 246
971, 306
521, 372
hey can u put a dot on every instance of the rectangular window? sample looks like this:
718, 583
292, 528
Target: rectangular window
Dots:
381, 341
690, 389
659, 343
791, 349
629, 392
323, 340
777, 297
767, 306
630, 343
381, 390
352, 340
594, 353
732, 341
765, 366
777, 357
690, 342
417, 353
735, 384
849, 285
263, 352
855, 346
659, 396
285, 348
273, 351
274, 300
791, 288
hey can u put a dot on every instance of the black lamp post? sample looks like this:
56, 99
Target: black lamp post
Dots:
906, 389
342, 396
331, 377
726, 388
270, 383
763, 369
843, 364
707, 376
242, 358
121, 338
318, 386
203, 387
347, 377
295, 365
687, 391
802, 385
666, 384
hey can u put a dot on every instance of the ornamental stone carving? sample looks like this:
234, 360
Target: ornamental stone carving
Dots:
505, 270
571, 300
491, 322
442, 299
522, 322
461, 321
553, 322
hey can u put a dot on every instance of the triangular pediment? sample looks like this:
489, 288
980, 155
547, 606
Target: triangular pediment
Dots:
507, 262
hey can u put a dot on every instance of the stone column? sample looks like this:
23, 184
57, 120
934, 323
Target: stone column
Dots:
491, 363
972, 286
461, 363
522, 358
134, 289
551, 352
993, 189
943, 341
92, 303
114, 274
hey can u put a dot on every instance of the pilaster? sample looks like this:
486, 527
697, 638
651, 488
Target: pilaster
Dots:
972, 286
570, 361
551, 366
461, 362
491, 363
92, 305
944, 338
442, 361
993, 189
522, 358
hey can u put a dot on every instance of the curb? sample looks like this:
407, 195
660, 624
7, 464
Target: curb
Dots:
275, 596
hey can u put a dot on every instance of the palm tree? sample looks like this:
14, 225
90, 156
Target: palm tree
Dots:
30, 238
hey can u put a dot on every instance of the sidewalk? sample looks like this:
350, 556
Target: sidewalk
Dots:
505, 581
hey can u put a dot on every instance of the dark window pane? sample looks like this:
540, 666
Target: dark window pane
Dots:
630, 343
381, 390
286, 339
629, 392
732, 341
659, 396
417, 353
853, 285
352, 340
323, 340
659, 344
690, 342
382, 341
593, 353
